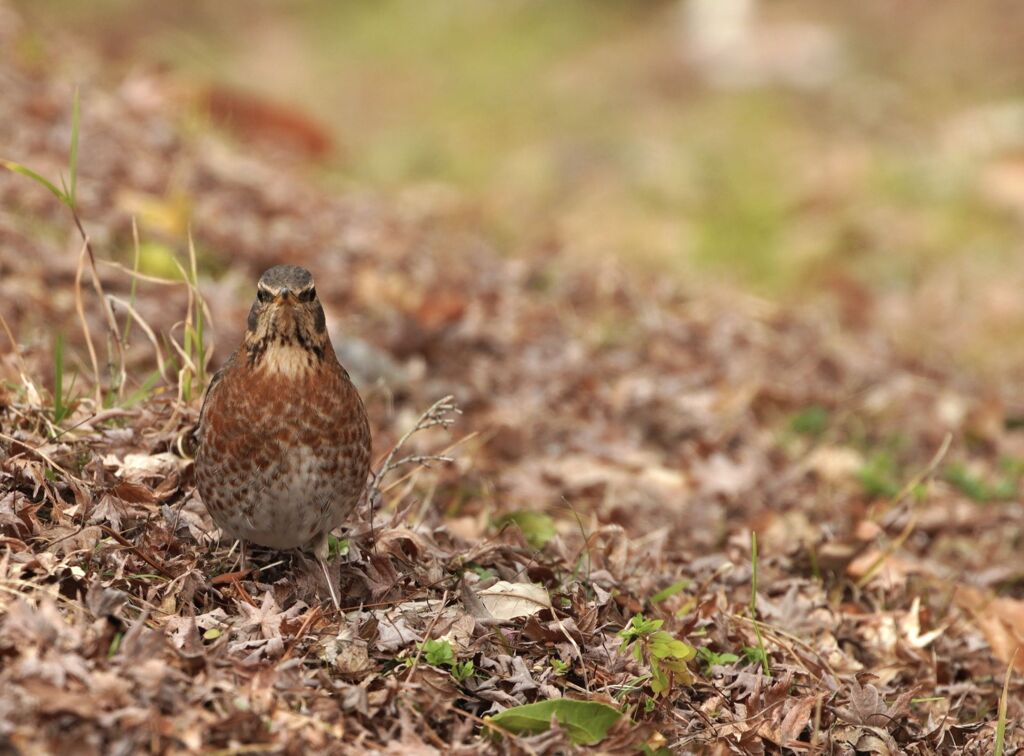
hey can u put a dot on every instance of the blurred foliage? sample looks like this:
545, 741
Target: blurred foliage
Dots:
587, 123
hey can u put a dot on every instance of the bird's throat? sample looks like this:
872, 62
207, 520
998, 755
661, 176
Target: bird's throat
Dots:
289, 360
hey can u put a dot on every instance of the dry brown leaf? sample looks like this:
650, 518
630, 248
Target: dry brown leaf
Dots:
1000, 619
506, 601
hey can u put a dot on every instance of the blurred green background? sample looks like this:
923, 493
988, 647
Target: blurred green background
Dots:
861, 150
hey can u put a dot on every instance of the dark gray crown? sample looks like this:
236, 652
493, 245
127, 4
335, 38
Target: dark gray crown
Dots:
290, 277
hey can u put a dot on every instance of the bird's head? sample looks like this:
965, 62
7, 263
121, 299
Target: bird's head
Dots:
286, 324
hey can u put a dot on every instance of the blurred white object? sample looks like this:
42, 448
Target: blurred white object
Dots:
984, 130
726, 42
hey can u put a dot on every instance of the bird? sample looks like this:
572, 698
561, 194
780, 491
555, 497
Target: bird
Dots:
284, 441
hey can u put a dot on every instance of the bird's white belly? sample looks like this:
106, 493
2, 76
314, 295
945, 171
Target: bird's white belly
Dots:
290, 504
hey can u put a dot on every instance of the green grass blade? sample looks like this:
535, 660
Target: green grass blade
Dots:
29, 173
753, 603
199, 345
144, 390
73, 153
59, 408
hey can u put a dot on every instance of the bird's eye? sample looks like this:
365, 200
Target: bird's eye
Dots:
307, 295
263, 295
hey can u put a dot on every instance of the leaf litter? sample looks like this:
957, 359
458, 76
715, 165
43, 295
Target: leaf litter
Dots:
621, 438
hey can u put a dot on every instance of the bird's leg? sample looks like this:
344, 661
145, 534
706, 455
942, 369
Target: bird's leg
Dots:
320, 551
330, 585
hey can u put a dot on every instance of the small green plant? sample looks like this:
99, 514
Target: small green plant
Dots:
560, 667
462, 671
537, 528
439, 653
879, 476
485, 573
755, 655
714, 659
810, 421
660, 650
337, 546
980, 490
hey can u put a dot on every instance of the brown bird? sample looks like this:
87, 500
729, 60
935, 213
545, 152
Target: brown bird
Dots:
284, 443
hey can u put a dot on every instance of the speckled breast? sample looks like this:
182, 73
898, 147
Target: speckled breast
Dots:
282, 458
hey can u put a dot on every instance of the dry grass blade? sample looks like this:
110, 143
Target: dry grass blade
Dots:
136, 317
1000, 743
80, 309
136, 275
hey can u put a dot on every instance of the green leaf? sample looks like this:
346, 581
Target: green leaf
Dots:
462, 671
672, 590
659, 679
664, 645
536, 527
639, 626
212, 634
711, 658
587, 722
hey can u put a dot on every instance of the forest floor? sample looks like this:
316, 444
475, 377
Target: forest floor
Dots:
623, 444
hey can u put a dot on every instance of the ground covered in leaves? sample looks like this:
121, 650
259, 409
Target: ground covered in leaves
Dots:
620, 443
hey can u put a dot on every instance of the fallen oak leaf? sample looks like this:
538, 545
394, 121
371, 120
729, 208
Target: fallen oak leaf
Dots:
796, 719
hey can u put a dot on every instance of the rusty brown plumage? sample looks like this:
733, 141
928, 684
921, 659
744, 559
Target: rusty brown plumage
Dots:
284, 443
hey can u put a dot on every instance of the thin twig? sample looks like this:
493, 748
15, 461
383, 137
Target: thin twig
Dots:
138, 552
440, 414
